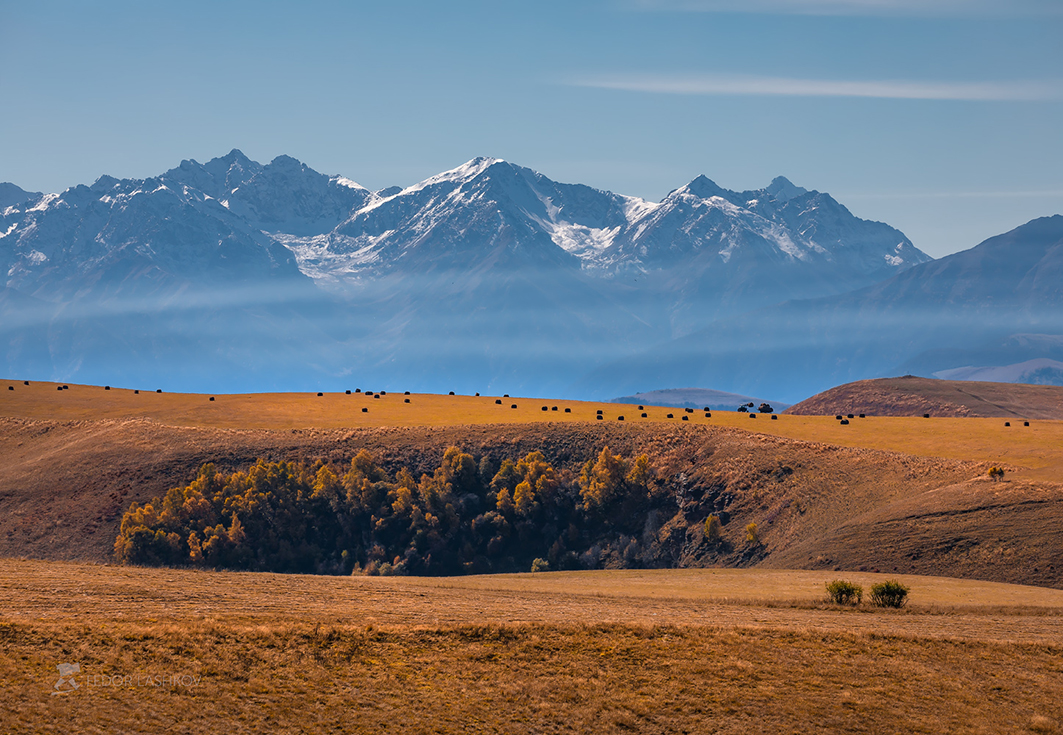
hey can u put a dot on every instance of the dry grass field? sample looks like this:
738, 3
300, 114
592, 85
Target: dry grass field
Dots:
677, 651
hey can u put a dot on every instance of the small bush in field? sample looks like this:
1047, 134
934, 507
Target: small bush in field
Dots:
841, 592
890, 593
540, 565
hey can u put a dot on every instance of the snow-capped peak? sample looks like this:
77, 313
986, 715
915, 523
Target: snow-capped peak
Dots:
465, 172
344, 181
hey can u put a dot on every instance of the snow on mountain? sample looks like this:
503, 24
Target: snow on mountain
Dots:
487, 210
707, 245
495, 270
134, 238
709, 250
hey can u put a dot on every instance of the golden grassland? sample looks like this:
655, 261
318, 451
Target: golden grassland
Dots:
1037, 449
666, 651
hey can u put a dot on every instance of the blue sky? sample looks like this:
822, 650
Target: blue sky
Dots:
941, 117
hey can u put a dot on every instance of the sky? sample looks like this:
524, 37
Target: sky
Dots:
942, 118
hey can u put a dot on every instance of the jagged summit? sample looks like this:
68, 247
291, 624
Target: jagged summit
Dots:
11, 195
702, 187
782, 189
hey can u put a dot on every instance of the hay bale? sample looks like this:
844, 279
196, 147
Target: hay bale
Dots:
619, 418
774, 417
11, 387
850, 416
844, 422
863, 416
498, 401
545, 408
670, 416
106, 387
157, 390
685, 417
365, 410
926, 415
644, 416
513, 406
1025, 423
406, 393
320, 394
599, 417
1007, 423
405, 400
212, 398
136, 392
568, 410
553, 408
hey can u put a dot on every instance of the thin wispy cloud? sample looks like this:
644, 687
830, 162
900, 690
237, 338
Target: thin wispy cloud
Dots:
764, 86
923, 8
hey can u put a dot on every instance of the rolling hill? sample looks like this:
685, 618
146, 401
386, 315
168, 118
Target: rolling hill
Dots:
892, 494
913, 396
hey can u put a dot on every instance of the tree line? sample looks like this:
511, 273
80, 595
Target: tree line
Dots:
465, 517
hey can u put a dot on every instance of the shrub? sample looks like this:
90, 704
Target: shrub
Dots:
890, 593
841, 592
540, 565
751, 534
713, 528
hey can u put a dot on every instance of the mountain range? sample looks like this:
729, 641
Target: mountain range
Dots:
233, 275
